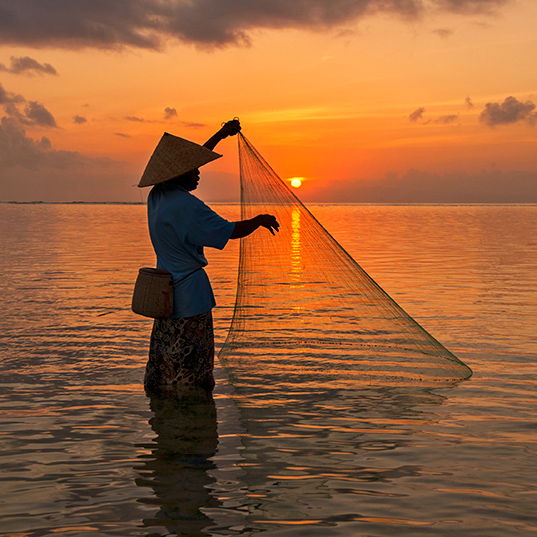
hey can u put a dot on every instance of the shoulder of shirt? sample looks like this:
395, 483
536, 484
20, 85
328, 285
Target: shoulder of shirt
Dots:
179, 194
175, 193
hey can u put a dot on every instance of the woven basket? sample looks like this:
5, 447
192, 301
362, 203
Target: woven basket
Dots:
153, 293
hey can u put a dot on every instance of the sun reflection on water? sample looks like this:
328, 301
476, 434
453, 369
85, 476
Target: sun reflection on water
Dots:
83, 453
296, 246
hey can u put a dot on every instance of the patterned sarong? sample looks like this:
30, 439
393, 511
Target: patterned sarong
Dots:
181, 354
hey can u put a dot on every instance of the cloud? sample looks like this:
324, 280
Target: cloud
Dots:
510, 111
444, 33
7, 98
33, 170
192, 124
79, 119
18, 150
122, 135
37, 114
417, 114
441, 120
209, 23
444, 120
415, 186
169, 113
28, 66
34, 113
470, 7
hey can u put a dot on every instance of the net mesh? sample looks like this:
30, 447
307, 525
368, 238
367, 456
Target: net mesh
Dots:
306, 312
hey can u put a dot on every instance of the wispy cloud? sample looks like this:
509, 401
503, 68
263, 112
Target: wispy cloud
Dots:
28, 66
135, 119
470, 7
441, 120
444, 33
417, 114
444, 120
149, 23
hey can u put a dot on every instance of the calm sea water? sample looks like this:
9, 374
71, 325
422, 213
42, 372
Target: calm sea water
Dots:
83, 451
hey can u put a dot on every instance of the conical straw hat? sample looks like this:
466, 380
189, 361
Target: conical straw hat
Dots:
174, 156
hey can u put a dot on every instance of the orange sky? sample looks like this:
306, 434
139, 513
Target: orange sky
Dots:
350, 102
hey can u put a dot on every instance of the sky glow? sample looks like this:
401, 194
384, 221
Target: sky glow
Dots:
373, 102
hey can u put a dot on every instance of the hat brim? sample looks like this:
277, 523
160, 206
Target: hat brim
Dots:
174, 156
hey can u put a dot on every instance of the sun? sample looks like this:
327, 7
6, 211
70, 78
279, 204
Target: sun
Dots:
296, 182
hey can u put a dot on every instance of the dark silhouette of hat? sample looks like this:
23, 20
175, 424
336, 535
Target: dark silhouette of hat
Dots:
174, 156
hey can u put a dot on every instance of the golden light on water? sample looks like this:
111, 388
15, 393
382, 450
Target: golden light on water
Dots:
296, 182
87, 278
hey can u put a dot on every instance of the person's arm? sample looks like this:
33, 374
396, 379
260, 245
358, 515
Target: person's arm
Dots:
245, 227
228, 129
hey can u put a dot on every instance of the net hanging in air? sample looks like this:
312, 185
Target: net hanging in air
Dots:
306, 312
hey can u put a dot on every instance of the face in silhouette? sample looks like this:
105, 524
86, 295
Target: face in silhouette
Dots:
190, 180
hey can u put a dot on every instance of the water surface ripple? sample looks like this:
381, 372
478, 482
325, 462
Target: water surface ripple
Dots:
84, 452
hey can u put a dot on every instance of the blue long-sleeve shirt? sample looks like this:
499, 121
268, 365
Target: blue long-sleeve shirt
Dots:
180, 226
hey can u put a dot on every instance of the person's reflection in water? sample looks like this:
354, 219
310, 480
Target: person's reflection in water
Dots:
177, 468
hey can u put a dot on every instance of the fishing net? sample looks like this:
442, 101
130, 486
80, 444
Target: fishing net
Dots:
307, 313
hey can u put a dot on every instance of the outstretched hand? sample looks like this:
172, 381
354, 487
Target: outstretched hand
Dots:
245, 227
230, 128
268, 221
